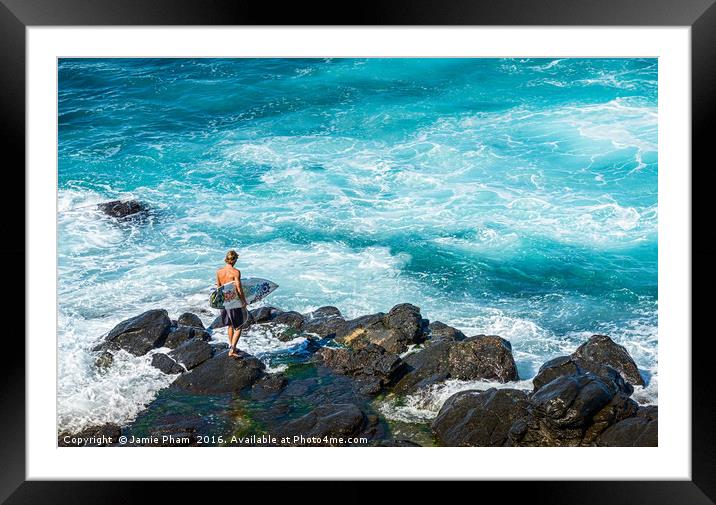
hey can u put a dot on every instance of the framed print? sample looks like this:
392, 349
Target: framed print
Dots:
437, 244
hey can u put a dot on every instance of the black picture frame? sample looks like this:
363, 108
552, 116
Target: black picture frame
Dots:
700, 15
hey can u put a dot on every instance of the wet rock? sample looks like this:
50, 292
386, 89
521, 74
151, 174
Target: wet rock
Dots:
292, 319
192, 353
568, 365
475, 418
482, 357
325, 312
395, 331
94, 436
487, 357
219, 346
425, 368
216, 323
263, 314
181, 334
406, 321
325, 322
140, 334
602, 349
124, 209
373, 366
268, 385
619, 408
338, 420
104, 361
191, 320
560, 412
166, 364
221, 374
641, 430
441, 332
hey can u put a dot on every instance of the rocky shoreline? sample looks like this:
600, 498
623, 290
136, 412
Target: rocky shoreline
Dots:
328, 393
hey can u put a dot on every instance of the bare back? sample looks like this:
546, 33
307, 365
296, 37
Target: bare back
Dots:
227, 274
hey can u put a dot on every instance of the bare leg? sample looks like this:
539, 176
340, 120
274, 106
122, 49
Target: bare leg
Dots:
231, 341
234, 339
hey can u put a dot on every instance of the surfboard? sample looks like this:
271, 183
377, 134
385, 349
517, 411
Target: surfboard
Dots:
255, 289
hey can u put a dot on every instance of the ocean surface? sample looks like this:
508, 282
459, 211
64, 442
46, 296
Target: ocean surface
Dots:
515, 197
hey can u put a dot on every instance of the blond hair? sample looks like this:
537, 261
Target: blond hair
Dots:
231, 257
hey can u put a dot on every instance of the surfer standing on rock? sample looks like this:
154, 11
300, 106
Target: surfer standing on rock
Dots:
234, 314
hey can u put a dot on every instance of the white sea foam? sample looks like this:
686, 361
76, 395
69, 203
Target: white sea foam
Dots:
425, 404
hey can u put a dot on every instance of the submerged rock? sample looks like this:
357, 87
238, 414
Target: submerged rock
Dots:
477, 418
373, 366
337, 420
395, 331
487, 357
140, 334
268, 385
221, 374
124, 209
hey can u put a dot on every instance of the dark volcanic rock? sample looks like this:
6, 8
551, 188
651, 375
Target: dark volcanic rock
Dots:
94, 436
293, 322
561, 412
395, 331
373, 366
181, 334
602, 349
139, 334
425, 368
483, 357
263, 314
123, 209
338, 420
166, 364
268, 385
486, 357
641, 430
475, 418
291, 319
618, 409
568, 365
406, 321
325, 322
192, 353
441, 332
221, 374
189, 319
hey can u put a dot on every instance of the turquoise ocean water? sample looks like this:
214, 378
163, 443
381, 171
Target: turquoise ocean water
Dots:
509, 196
